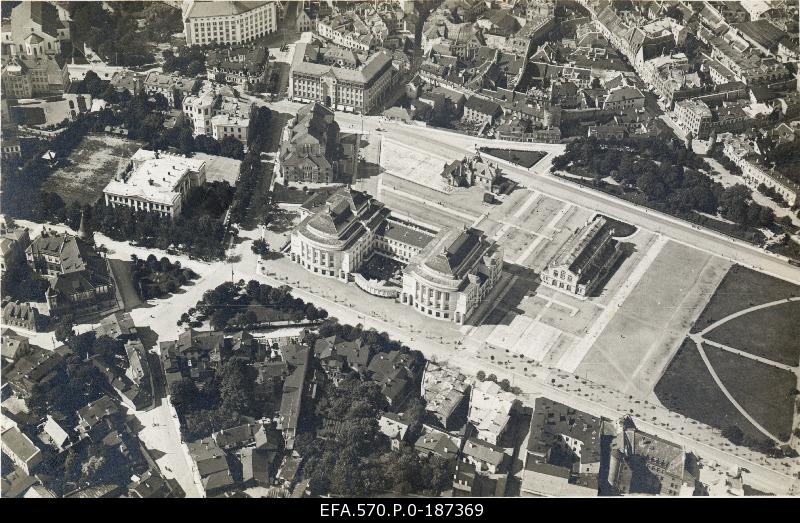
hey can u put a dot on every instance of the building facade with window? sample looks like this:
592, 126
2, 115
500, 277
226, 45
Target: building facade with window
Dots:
218, 115
354, 87
155, 182
223, 22
584, 262
446, 274
34, 30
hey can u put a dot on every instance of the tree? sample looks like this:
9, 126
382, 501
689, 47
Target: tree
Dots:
195, 68
481, 375
206, 144
63, 331
183, 394
734, 434
108, 348
234, 388
231, 148
92, 84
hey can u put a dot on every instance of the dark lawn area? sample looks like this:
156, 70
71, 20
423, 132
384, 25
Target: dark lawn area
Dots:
765, 392
621, 229
382, 268
293, 195
779, 342
688, 389
526, 159
742, 288
265, 314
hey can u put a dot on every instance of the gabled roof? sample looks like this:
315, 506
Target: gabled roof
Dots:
483, 106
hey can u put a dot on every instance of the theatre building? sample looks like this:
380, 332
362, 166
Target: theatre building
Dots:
453, 274
447, 273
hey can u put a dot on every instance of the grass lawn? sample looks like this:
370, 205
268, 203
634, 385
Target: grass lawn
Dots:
92, 164
742, 288
780, 342
765, 392
621, 229
688, 388
526, 159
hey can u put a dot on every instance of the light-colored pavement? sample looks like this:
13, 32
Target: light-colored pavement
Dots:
455, 145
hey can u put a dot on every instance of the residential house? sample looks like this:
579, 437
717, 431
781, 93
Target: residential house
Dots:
394, 427
22, 451
482, 470
14, 346
195, 356
446, 395
21, 315
174, 87
435, 442
641, 463
482, 111
564, 451
210, 465
490, 411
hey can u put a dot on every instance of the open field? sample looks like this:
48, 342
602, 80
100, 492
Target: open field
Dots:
779, 342
688, 388
413, 165
742, 288
764, 394
220, 168
92, 164
639, 341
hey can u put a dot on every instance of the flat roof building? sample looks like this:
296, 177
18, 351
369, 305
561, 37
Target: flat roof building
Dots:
155, 182
564, 451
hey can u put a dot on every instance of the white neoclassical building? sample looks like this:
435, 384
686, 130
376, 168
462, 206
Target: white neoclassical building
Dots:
155, 182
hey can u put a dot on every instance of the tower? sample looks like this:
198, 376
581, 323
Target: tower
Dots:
83, 230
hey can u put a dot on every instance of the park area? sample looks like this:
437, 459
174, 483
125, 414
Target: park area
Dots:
688, 388
748, 328
743, 304
526, 159
91, 165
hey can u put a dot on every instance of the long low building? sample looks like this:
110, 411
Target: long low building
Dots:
155, 182
756, 174
583, 263
447, 273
